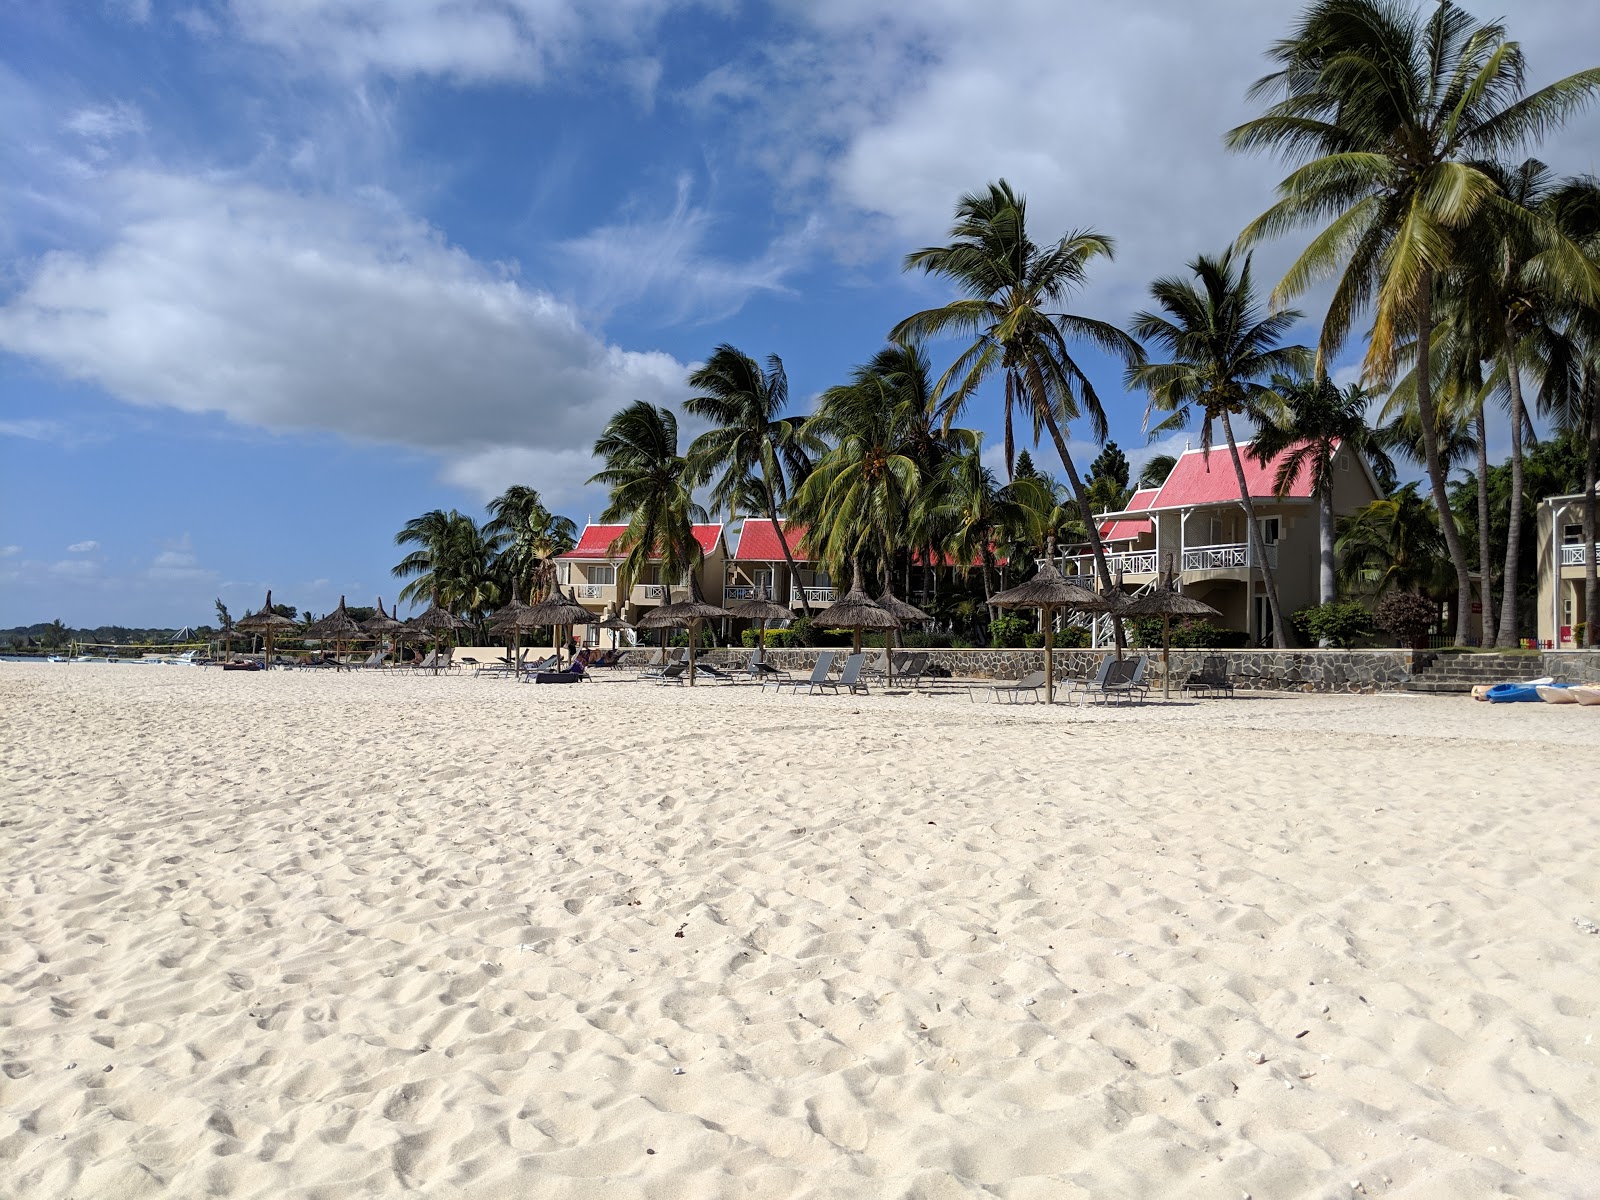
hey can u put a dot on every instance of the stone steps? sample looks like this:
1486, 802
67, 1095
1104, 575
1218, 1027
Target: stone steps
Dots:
1457, 673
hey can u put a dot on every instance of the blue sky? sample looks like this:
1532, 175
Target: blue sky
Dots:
276, 277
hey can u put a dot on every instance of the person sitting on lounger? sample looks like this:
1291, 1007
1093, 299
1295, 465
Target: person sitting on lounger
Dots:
580, 664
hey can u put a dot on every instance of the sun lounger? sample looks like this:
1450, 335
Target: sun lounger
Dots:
1123, 681
819, 673
849, 678
1032, 682
671, 658
910, 669
1212, 677
673, 672
759, 668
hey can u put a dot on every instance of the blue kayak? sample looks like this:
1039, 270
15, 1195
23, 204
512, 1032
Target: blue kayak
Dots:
1518, 693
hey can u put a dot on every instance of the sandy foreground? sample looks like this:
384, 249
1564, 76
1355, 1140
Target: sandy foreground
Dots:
306, 935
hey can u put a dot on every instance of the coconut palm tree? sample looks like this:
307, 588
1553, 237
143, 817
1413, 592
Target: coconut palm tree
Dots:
1385, 108
1013, 291
453, 563
1393, 543
1316, 421
1223, 347
534, 538
752, 449
1155, 471
650, 489
980, 515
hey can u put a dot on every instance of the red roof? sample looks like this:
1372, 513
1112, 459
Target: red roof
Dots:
595, 543
1199, 480
1127, 530
759, 542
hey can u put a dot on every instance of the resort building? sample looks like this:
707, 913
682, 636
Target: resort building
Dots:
1195, 521
1560, 554
591, 569
758, 571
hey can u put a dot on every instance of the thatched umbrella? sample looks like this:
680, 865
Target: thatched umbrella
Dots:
265, 622
857, 611
559, 610
616, 625
1166, 602
907, 614
381, 623
760, 611
340, 627
1048, 591
435, 620
512, 618
685, 614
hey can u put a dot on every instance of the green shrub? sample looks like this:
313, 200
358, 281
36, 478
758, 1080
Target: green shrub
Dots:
1072, 637
1342, 623
1008, 632
926, 641
778, 639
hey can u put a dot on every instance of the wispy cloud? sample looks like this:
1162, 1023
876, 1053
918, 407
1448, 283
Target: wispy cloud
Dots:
83, 547
105, 122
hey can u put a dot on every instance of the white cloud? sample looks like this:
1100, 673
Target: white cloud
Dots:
474, 40
83, 547
34, 429
292, 313
10, 551
663, 259
106, 122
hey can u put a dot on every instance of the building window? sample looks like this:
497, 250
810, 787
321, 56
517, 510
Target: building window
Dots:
606, 575
1572, 535
564, 573
763, 579
1344, 462
1269, 531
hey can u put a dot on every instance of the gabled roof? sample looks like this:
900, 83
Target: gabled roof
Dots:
1128, 528
759, 542
594, 545
1198, 479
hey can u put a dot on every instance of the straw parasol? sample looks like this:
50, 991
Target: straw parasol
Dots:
381, 623
512, 618
559, 610
435, 620
1166, 602
760, 611
616, 625
907, 614
265, 622
685, 614
857, 611
339, 627
1048, 591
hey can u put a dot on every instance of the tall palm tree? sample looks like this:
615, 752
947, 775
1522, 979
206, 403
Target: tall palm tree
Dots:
980, 514
1572, 388
1154, 472
1385, 107
1316, 421
650, 489
535, 537
453, 562
753, 450
1223, 347
1013, 290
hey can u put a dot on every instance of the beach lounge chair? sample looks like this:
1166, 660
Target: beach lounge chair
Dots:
877, 666
1212, 677
819, 673
609, 659
1032, 682
1122, 681
1096, 683
759, 668
1134, 684
428, 663
849, 678
671, 658
910, 669
673, 672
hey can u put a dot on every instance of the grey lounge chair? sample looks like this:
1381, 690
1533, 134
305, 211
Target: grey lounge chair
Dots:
1072, 686
1212, 677
819, 673
1033, 682
759, 668
849, 678
673, 672
1119, 682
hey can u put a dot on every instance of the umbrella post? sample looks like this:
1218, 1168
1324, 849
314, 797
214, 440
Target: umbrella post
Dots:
1049, 655
1166, 658
694, 628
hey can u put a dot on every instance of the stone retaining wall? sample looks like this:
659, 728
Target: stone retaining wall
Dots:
1259, 670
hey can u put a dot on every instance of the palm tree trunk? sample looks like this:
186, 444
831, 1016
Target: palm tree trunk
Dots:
1485, 556
1101, 568
1280, 636
1591, 468
1508, 581
783, 541
1430, 453
1326, 591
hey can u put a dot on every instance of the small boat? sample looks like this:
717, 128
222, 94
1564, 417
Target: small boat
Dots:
1516, 693
1586, 694
1556, 693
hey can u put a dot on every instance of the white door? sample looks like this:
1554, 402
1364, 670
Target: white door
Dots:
1263, 620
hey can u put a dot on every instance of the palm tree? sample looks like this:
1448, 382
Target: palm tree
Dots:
980, 514
1154, 472
1384, 108
650, 489
754, 450
860, 498
1393, 543
536, 538
1572, 388
1012, 290
453, 563
1222, 347
1310, 428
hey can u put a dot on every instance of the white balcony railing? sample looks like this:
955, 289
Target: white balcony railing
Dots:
1129, 562
654, 591
814, 595
743, 591
590, 591
1573, 556
1223, 558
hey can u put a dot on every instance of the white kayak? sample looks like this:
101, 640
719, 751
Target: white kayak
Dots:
1558, 693
1589, 694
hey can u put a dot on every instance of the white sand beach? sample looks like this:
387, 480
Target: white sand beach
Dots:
315, 936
